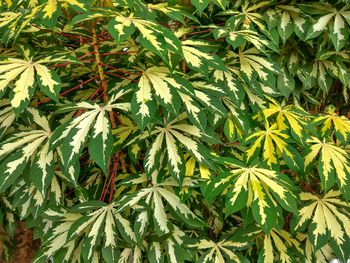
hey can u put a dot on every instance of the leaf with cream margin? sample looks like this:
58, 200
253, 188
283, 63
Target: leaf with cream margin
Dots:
169, 135
154, 196
221, 251
335, 20
73, 134
28, 148
328, 221
23, 72
333, 164
259, 188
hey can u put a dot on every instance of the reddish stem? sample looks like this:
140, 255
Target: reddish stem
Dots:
200, 32
96, 91
120, 76
66, 91
78, 86
120, 70
105, 182
118, 53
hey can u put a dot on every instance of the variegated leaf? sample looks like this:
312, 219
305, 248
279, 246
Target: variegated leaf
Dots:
328, 219
24, 71
258, 188
221, 251
272, 142
288, 115
198, 59
24, 146
154, 37
330, 121
73, 134
7, 116
333, 164
169, 133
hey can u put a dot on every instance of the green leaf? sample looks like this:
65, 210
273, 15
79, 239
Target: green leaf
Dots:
285, 27
101, 141
200, 5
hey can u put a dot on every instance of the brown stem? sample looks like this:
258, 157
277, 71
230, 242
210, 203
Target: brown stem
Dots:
118, 53
102, 75
66, 91
121, 70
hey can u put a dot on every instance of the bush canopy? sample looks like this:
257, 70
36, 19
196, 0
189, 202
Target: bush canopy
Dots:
176, 131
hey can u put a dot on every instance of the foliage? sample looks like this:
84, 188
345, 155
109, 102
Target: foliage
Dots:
176, 131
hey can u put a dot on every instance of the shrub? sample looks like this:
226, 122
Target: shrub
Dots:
197, 131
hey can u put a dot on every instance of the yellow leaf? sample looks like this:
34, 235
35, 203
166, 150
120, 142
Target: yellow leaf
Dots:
46, 77
204, 172
50, 8
190, 165
22, 86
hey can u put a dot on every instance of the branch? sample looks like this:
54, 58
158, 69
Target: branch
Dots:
102, 74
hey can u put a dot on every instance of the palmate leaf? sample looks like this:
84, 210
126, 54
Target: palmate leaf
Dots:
99, 229
237, 38
252, 64
15, 22
221, 251
143, 105
169, 250
319, 74
230, 81
324, 254
105, 220
272, 142
30, 202
275, 245
335, 20
198, 59
176, 12
278, 242
189, 89
153, 197
26, 71
172, 132
329, 223
258, 188
169, 91
247, 14
209, 94
48, 11
333, 164
73, 134
153, 36
52, 6
26, 147
127, 128
59, 234
238, 86
292, 20
332, 121
289, 115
